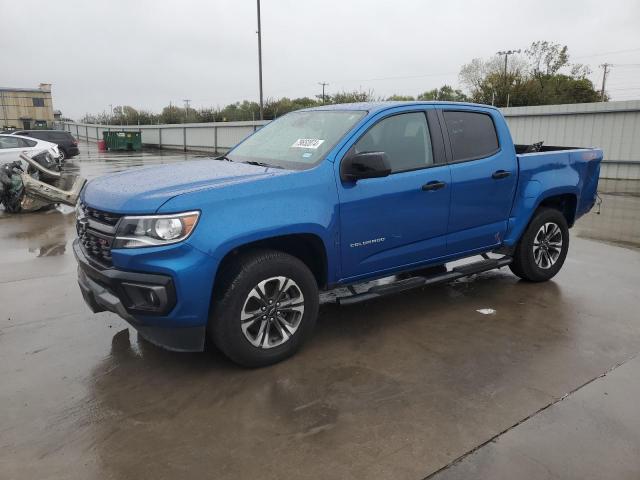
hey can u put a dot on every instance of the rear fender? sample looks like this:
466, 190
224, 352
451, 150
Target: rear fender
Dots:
527, 204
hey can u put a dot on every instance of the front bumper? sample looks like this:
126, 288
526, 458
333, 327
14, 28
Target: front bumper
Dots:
139, 298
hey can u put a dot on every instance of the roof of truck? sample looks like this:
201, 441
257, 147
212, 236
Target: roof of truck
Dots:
373, 107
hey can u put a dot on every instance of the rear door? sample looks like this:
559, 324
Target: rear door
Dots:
390, 222
483, 177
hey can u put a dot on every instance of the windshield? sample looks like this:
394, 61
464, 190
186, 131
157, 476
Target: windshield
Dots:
298, 140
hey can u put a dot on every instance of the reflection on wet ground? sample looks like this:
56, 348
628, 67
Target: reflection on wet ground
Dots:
619, 220
393, 388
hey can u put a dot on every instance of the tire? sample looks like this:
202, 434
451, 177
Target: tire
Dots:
63, 155
241, 310
543, 247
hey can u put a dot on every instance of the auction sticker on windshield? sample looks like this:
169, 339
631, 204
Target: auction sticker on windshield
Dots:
307, 143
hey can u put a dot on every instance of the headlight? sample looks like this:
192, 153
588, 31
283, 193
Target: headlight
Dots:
79, 211
154, 230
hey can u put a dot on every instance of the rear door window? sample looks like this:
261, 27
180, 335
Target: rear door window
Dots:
472, 135
9, 142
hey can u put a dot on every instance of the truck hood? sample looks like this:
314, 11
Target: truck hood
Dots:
144, 190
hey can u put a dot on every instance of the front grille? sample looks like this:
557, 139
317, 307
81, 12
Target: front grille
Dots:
100, 216
96, 232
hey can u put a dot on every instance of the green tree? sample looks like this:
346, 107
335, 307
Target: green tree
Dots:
354, 96
171, 114
542, 76
400, 98
445, 93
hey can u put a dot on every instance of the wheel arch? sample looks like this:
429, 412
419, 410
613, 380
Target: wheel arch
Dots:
566, 203
309, 248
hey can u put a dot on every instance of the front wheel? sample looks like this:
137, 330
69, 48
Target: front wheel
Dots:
265, 307
541, 251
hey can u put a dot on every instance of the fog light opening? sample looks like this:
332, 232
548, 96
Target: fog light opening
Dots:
151, 298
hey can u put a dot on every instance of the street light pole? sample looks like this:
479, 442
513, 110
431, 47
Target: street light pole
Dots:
260, 62
506, 54
324, 84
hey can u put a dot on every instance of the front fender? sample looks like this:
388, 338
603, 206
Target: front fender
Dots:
304, 202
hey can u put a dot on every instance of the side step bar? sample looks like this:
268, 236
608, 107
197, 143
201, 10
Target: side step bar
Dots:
419, 281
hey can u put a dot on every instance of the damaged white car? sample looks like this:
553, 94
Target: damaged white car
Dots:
30, 176
11, 146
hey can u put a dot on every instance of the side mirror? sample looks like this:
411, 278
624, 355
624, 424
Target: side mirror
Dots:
365, 165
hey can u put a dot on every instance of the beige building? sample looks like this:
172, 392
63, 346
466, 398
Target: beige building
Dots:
25, 108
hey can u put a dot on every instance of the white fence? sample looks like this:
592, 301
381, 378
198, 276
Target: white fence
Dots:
612, 126
215, 137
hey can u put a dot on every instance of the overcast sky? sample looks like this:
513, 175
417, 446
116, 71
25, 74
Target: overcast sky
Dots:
148, 53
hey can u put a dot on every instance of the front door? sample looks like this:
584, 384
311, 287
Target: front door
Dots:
401, 219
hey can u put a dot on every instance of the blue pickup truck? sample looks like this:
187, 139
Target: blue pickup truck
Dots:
236, 249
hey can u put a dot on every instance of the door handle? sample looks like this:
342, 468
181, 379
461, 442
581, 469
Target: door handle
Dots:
498, 174
435, 185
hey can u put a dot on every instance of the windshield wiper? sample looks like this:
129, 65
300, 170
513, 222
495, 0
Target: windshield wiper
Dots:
261, 164
224, 158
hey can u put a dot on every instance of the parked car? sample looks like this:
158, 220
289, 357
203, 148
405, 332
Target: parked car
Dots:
67, 144
11, 146
237, 248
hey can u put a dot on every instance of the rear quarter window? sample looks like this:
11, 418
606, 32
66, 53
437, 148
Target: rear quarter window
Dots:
27, 143
39, 135
472, 135
61, 136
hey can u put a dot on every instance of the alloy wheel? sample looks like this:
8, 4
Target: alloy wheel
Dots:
272, 312
547, 245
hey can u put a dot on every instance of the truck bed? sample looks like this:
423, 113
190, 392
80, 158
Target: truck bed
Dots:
522, 149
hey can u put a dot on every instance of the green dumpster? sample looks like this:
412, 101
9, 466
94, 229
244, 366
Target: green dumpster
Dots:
122, 140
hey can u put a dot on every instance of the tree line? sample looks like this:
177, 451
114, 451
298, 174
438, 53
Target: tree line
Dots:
541, 75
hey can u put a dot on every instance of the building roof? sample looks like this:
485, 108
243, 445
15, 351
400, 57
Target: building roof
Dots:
33, 90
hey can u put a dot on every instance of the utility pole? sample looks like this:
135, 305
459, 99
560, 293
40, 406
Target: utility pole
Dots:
260, 62
506, 54
324, 84
111, 117
605, 72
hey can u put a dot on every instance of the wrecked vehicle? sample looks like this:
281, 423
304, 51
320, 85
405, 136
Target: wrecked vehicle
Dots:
236, 249
12, 145
37, 184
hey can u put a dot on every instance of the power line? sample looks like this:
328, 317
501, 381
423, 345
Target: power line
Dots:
609, 53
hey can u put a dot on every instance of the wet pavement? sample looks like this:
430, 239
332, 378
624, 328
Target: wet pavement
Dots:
403, 387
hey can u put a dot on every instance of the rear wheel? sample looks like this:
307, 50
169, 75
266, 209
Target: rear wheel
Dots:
266, 307
62, 155
543, 247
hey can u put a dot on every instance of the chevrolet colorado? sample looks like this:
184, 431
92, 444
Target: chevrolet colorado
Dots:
236, 249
